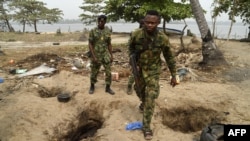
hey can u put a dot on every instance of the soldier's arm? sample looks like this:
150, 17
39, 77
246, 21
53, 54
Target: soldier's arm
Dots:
91, 45
169, 57
110, 48
131, 48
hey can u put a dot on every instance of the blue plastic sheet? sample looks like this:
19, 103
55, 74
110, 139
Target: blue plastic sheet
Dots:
1, 80
134, 125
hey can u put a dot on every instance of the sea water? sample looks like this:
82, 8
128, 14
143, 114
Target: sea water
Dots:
221, 30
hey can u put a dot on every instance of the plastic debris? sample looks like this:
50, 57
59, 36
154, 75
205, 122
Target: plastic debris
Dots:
40, 77
182, 71
38, 70
11, 61
74, 68
20, 71
1, 80
88, 65
17, 71
78, 63
134, 125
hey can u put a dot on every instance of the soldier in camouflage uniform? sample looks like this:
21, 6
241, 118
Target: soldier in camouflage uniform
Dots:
101, 53
131, 78
147, 44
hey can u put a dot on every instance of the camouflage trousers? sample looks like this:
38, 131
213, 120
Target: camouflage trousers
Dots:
150, 92
95, 67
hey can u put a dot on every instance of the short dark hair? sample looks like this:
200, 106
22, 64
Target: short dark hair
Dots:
102, 17
153, 12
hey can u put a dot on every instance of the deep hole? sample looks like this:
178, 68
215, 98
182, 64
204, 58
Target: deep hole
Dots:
46, 93
85, 131
88, 123
190, 119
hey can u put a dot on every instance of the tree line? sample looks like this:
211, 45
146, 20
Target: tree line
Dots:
30, 12
27, 12
134, 10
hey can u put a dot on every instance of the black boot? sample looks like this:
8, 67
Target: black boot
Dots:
108, 90
92, 88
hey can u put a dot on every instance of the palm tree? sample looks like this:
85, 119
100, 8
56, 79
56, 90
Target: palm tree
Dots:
210, 52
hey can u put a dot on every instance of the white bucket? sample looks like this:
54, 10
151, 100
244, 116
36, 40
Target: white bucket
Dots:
114, 76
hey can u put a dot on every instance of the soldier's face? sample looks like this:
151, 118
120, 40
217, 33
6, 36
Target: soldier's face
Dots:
151, 22
101, 23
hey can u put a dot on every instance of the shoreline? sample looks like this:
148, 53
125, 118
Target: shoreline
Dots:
44, 39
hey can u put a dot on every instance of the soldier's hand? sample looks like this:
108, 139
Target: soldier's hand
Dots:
173, 82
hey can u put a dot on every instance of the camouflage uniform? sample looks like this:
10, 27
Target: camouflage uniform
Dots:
101, 39
131, 78
148, 48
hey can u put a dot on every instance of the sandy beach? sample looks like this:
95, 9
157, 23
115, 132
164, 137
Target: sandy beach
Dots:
30, 110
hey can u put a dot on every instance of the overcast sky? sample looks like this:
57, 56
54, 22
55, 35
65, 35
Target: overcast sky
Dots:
71, 8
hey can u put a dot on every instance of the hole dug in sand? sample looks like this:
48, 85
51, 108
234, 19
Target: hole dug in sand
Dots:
84, 127
190, 119
46, 93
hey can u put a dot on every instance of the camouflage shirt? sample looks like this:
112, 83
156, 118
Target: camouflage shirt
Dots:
100, 39
149, 49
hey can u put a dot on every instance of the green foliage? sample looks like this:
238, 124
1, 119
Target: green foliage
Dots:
32, 11
5, 15
128, 10
176, 11
52, 15
134, 10
245, 11
233, 8
91, 9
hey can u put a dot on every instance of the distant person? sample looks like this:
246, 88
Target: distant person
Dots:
131, 78
101, 53
146, 44
141, 23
